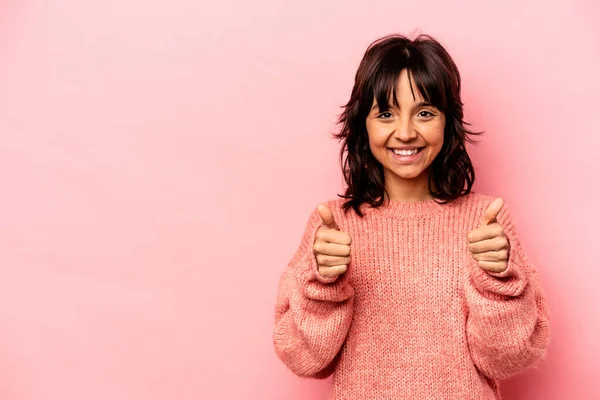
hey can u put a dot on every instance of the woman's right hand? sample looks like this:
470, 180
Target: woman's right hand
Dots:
331, 246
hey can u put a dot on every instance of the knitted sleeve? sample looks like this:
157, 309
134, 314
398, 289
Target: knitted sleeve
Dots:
507, 322
312, 313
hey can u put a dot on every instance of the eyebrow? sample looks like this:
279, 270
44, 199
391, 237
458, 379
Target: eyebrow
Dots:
420, 104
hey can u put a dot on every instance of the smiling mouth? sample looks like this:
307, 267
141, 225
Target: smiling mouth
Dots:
405, 153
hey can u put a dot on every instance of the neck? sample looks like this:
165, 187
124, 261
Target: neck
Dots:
408, 190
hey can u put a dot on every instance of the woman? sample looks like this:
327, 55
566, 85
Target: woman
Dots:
411, 285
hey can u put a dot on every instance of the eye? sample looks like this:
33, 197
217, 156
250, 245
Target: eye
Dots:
425, 114
385, 115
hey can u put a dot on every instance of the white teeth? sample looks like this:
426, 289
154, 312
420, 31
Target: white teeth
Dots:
405, 152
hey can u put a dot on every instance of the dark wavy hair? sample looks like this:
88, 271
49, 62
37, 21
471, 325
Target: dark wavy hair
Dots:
438, 80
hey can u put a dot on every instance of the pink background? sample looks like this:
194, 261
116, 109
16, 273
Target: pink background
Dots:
159, 160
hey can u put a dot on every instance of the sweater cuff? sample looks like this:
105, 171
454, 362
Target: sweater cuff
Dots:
335, 289
313, 274
510, 282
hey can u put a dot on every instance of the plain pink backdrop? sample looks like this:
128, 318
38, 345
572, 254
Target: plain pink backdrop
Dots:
159, 160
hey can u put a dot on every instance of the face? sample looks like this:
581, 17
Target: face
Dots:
414, 124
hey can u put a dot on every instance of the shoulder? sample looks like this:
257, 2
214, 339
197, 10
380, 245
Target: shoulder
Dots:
475, 204
475, 199
336, 206
340, 215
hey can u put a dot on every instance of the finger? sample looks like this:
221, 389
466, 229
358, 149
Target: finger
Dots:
492, 266
492, 211
327, 216
331, 261
330, 272
332, 249
499, 255
495, 244
485, 232
334, 236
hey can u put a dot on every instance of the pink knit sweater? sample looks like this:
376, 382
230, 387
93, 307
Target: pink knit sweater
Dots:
414, 317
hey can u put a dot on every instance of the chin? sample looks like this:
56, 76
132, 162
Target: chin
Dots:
407, 174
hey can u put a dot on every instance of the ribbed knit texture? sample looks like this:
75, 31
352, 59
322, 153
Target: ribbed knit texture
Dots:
414, 317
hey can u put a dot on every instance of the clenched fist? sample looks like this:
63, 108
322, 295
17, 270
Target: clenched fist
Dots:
331, 246
488, 243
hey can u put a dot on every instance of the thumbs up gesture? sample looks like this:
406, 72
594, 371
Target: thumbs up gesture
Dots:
331, 246
488, 244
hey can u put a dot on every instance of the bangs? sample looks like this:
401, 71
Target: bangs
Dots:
424, 78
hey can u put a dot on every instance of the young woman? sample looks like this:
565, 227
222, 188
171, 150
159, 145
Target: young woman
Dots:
410, 286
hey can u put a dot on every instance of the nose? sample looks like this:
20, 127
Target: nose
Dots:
405, 130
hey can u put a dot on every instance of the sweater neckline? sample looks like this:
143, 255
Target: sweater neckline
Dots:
410, 209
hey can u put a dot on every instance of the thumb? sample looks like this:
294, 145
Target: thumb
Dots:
327, 216
492, 211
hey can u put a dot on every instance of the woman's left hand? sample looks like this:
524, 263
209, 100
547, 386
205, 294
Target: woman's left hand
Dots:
488, 244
